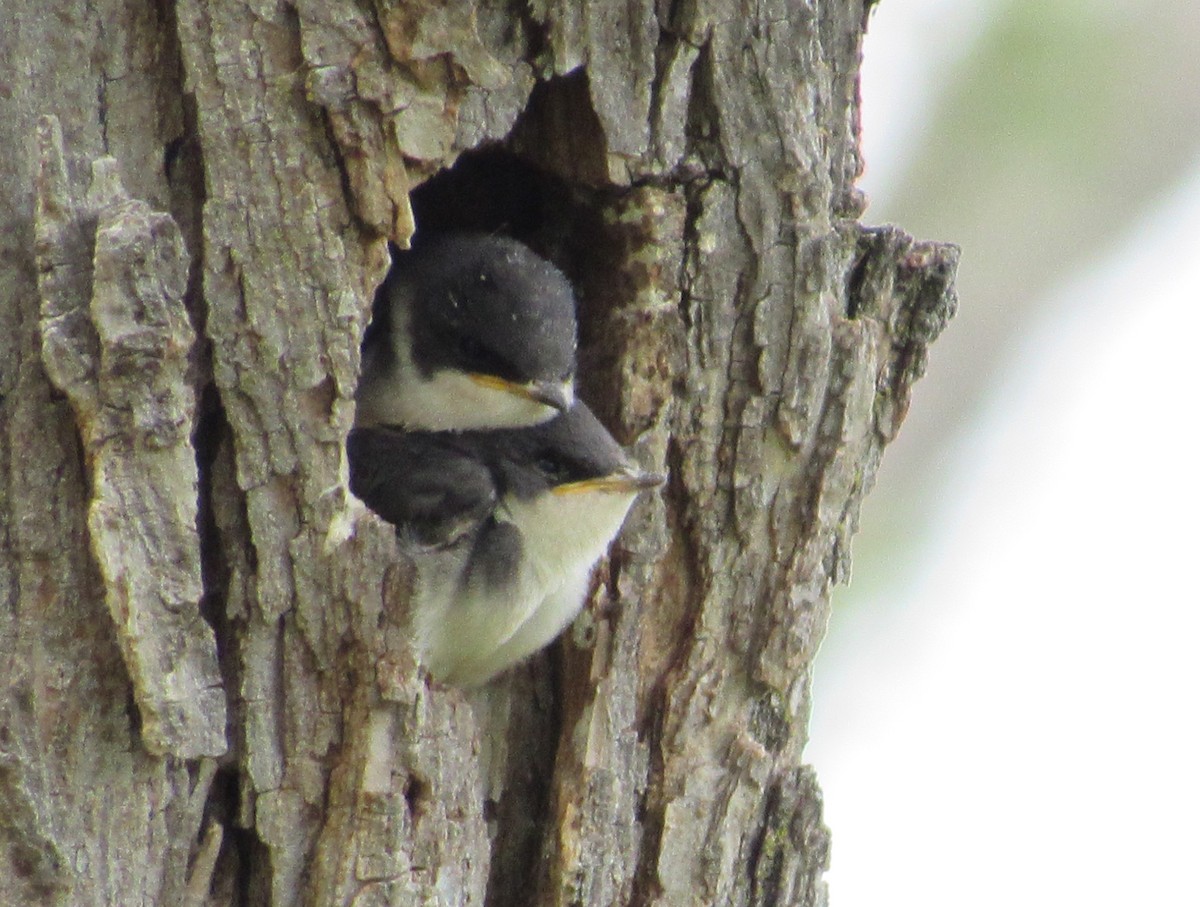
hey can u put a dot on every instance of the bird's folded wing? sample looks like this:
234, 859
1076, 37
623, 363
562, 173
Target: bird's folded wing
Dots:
422, 483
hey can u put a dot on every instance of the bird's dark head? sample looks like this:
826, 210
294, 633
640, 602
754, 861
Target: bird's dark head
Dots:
571, 454
489, 308
468, 332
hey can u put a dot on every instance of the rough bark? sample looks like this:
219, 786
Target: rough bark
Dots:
210, 695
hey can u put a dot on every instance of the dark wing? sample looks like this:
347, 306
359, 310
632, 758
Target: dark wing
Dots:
425, 484
495, 560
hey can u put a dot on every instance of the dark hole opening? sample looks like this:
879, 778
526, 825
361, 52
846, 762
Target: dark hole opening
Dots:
495, 190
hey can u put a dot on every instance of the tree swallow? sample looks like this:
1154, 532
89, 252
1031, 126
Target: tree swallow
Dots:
468, 332
504, 526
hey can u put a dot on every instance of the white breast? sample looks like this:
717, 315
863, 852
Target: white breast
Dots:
470, 639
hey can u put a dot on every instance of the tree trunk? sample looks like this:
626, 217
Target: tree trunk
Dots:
210, 695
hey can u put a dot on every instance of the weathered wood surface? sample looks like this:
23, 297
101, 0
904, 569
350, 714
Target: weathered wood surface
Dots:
694, 176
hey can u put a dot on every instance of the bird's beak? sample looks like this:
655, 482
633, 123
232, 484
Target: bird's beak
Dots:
621, 483
559, 395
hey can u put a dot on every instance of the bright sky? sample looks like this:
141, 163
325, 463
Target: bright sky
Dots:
1018, 725
902, 74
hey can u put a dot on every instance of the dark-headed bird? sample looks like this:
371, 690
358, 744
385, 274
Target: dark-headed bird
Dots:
468, 332
506, 526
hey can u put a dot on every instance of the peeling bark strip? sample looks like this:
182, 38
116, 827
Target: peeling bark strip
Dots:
121, 361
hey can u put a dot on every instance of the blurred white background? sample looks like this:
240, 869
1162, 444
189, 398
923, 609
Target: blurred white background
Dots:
1006, 705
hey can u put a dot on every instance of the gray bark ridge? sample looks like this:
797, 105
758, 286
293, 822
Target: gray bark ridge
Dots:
115, 340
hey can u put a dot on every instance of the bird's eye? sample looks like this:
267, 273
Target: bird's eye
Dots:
552, 468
